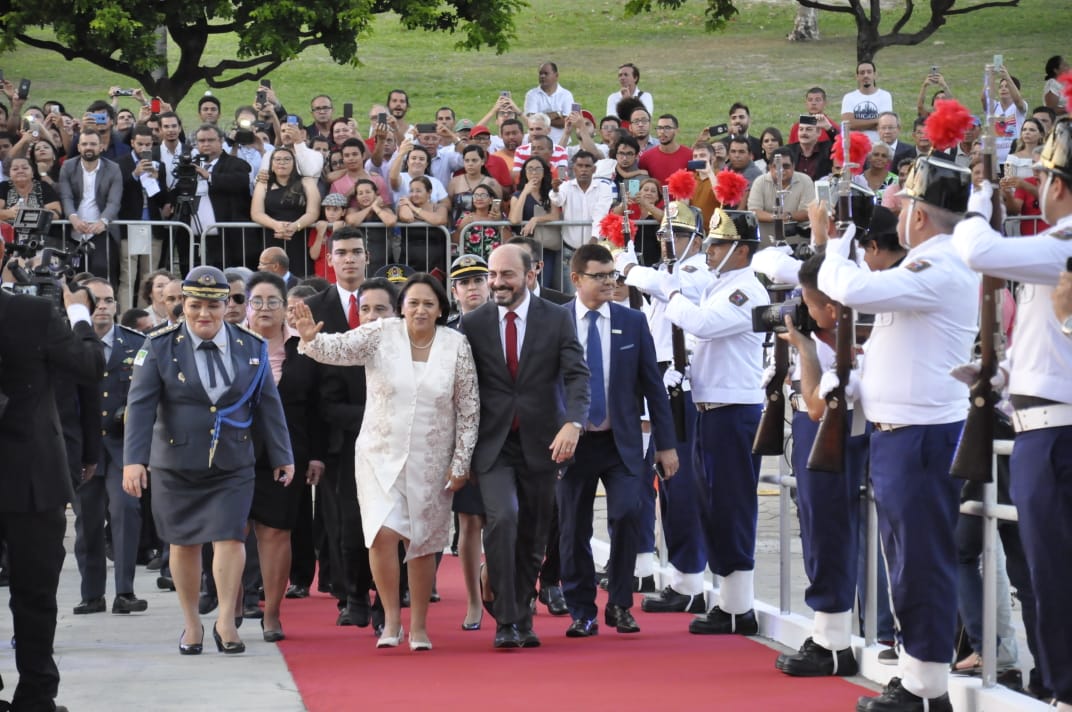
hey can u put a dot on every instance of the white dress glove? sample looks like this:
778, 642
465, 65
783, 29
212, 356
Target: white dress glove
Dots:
624, 258
768, 375
777, 264
672, 378
966, 373
980, 200
830, 381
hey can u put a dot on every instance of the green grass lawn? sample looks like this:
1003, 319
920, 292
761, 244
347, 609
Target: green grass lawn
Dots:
694, 74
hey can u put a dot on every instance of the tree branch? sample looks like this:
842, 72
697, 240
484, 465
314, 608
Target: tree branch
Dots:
816, 5
96, 57
245, 76
234, 64
973, 8
910, 6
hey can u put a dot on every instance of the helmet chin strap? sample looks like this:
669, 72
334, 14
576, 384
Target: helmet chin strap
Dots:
908, 224
1044, 192
718, 270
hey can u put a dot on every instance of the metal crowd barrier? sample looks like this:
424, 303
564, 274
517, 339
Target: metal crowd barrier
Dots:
423, 250
144, 246
988, 509
1023, 225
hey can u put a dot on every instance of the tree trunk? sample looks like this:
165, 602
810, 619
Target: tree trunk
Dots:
806, 25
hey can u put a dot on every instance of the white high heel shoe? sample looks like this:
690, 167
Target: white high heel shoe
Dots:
390, 641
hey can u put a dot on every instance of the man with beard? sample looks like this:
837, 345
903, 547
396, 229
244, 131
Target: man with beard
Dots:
740, 120
669, 156
861, 108
91, 190
397, 106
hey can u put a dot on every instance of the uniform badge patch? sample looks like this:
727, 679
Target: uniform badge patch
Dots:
688, 268
738, 298
139, 359
1064, 233
918, 266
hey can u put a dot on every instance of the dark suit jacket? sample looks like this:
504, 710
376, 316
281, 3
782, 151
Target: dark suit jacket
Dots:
904, 150
166, 389
131, 204
108, 188
114, 388
298, 390
825, 165
550, 355
342, 388
634, 377
553, 295
229, 189
33, 468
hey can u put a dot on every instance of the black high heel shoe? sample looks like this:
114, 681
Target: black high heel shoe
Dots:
191, 648
473, 626
227, 648
272, 636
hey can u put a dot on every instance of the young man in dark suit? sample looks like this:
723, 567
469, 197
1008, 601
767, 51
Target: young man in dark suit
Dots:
522, 346
145, 197
35, 487
342, 406
224, 180
624, 374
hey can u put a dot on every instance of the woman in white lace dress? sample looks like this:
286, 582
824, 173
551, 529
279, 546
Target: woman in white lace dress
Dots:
421, 419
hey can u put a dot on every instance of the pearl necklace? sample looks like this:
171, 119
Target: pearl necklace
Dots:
425, 346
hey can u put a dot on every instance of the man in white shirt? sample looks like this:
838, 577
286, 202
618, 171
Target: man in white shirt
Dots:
628, 77
91, 190
550, 98
862, 107
582, 199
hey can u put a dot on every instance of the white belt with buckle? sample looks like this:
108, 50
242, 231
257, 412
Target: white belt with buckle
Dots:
704, 407
889, 427
1044, 416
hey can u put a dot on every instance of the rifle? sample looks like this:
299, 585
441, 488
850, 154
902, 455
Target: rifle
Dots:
770, 435
973, 460
828, 451
677, 336
636, 299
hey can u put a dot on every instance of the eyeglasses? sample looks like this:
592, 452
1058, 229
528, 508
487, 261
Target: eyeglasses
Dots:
271, 304
602, 276
238, 298
665, 128
321, 108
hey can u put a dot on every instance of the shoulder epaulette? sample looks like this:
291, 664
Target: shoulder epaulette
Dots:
249, 331
133, 333
1064, 233
164, 330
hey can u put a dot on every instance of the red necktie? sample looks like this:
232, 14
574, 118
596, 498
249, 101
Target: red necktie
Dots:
352, 316
511, 343
511, 354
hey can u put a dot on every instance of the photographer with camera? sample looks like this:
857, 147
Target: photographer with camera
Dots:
102, 492
145, 197
220, 193
36, 347
91, 190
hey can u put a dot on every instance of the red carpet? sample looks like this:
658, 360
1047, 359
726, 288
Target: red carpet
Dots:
662, 667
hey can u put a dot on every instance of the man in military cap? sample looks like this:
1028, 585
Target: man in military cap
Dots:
1040, 390
726, 381
197, 389
926, 313
395, 273
680, 512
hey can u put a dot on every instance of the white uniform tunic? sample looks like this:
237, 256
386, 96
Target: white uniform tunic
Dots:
693, 278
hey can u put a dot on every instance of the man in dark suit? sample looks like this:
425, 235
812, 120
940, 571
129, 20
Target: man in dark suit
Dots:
811, 152
224, 180
342, 406
523, 347
144, 198
535, 250
624, 374
889, 131
103, 492
91, 212
275, 260
35, 346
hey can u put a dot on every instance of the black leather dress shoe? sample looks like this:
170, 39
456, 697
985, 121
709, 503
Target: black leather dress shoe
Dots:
506, 636
897, 699
93, 605
527, 637
620, 618
718, 622
344, 617
670, 601
551, 596
644, 584
206, 604
165, 583
129, 603
583, 628
813, 660
295, 591
360, 612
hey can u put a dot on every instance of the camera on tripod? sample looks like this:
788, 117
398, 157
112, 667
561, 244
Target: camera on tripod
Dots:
186, 174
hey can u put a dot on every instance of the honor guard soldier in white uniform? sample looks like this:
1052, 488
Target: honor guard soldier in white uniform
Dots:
926, 318
1039, 369
727, 373
680, 507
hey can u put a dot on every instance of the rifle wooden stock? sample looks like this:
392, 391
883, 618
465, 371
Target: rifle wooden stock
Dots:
828, 451
974, 457
770, 436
